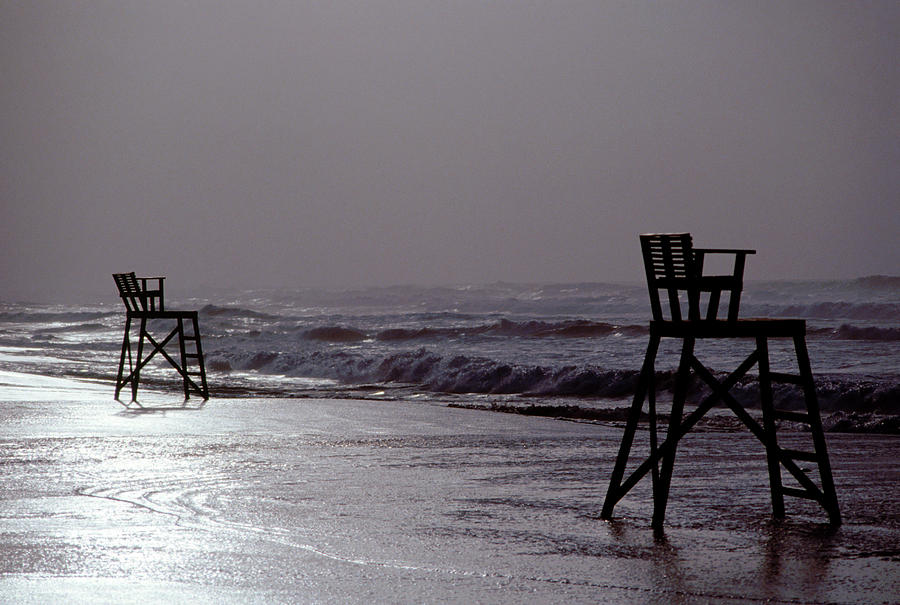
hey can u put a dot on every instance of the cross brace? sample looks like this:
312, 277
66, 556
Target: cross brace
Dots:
776, 456
133, 377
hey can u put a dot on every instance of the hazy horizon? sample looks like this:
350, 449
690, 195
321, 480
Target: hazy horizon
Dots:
348, 144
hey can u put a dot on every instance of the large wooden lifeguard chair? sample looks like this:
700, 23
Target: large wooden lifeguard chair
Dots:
144, 304
675, 267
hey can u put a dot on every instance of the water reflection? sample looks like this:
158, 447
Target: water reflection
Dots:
796, 557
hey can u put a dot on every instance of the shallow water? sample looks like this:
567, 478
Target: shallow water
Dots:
276, 500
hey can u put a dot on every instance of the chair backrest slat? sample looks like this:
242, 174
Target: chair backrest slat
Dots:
137, 296
130, 291
669, 264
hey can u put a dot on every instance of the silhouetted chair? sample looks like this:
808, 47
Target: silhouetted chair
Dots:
146, 304
675, 267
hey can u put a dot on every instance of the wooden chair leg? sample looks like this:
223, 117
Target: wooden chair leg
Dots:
830, 502
652, 421
682, 380
126, 350
645, 382
199, 350
136, 377
184, 375
769, 429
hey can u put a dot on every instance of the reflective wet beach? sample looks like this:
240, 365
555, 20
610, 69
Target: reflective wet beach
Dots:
273, 500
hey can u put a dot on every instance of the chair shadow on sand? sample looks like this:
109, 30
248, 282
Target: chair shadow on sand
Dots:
137, 408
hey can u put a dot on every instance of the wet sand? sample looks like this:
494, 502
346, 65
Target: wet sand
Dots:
346, 501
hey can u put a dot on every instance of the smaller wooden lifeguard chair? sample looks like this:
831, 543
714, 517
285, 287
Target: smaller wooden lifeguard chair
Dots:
675, 267
145, 304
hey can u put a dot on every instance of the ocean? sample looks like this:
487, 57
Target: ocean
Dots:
568, 350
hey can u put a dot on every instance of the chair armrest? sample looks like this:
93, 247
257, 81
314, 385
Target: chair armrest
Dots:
723, 251
716, 284
739, 259
153, 295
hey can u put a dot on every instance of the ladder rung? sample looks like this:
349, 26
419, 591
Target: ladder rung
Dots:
788, 378
192, 355
800, 455
799, 493
194, 373
792, 416
190, 338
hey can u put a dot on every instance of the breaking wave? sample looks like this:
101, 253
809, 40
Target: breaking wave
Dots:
450, 374
50, 316
502, 328
505, 327
851, 332
234, 312
78, 327
879, 282
848, 332
335, 334
886, 311
478, 375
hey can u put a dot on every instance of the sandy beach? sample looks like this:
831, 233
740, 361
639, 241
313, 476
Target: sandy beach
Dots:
347, 501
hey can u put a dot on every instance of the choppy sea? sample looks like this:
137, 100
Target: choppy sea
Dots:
570, 350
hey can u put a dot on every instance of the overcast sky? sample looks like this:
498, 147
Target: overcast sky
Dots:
440, 142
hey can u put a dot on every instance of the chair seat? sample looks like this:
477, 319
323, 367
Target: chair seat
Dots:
721, 328
162, 314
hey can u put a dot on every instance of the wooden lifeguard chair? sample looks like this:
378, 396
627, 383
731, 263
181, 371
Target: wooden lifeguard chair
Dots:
674, 266
146, 304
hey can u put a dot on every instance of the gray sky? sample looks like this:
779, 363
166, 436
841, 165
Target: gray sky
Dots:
391, 142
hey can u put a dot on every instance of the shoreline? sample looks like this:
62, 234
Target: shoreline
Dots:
18, 384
